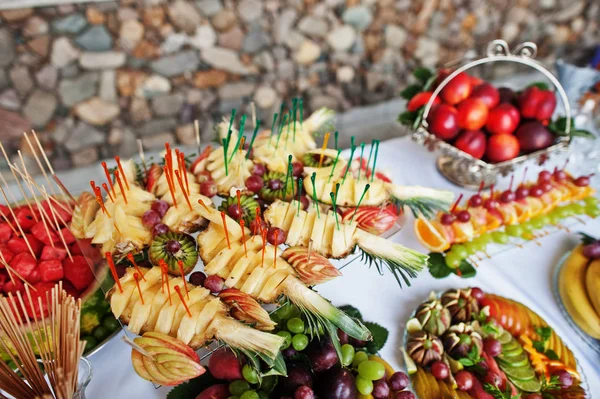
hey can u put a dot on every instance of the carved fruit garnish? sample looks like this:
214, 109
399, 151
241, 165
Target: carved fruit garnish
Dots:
173, 247
245, 308
460, 339
312, 268
424, 348
434, 318
461, 304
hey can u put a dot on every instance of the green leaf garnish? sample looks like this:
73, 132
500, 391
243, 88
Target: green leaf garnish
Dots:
380, 336
498, 394
407, 117
586, 238
191, 388
410, 92
437, 265
540, 85
423, 74
466, 269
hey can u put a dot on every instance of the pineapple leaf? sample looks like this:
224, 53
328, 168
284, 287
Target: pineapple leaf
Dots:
351, 311
427, 207
398, 268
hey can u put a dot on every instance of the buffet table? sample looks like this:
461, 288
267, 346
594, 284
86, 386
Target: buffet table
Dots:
523, 274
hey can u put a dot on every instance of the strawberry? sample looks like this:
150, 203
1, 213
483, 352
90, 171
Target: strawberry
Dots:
51, 270
67, 235
52, 253
78, 271
7, 254
23, 263
152, 177
63, 212
5, 232
25, 218
39, 231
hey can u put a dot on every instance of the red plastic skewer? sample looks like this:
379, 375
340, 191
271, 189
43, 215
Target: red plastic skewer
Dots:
185, 195
264, 246
164, 268
180, 264
239, 201
224, 218
118, 179
118, 159
244, 237
184, 171
113, 269
131, 259
170, 184
183, 300
105, 187
110, 182
204, 205
456, 203
136, 277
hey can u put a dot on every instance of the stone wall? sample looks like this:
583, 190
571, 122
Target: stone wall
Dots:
91, 78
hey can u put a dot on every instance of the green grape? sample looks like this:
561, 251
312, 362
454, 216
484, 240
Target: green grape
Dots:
371, 370
536, 223
562, 212
545, 220
250, 374
500, 237
250, 395
514, 230
287, 341
300, 342
592, 211
363, 385
238, 387
347, 354
478, 245
460, 251
295, 325
359, 357
590, 201
452, 260
285, 312
578, 209
553, 217
527, 228
471, 249
485, 239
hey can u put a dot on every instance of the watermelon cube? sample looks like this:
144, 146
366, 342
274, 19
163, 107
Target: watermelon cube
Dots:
39, 231
5, 232
25, 218
67, 235
7, 254
35, 276
4, 211
50, 253
23, 264
42, 291
85, 248
18, 245
51, 270
11, 287
63, 214
78, 271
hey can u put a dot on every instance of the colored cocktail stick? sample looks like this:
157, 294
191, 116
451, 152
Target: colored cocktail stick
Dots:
288, 175
362, 151
184, 171
169, 161
254, 133
231, 119
301, 112
131, 260
368, 160
367, 186
108, 178
287, 133
295, 111
100, 201
285, 117
224, 218
39, 163
165, 270
183, 302
242, 223
272, 127
352, 149
456, 203
171, 185
238, 194
275, 249
203, 205
334, 209
197, 134
323, 147
17, 222
105, 187
263, 235
257, 224
118, 159
335, 136
113, 269
375, 160
299, 194
281, 116
314, 193
142, 156
253, 113
224, 143
136, 277
181, 271
335, 161
118, 179
182, 186
240, 135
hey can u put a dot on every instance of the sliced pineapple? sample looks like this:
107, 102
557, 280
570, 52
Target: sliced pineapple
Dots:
83, 214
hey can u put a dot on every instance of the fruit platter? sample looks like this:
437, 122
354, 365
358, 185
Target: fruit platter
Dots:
484, 130
458, 239
576, 289
467, 343
39, 248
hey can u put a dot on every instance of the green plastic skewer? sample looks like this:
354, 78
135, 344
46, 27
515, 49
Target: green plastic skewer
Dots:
336, 134
362, 150
301, 112
281, 116
353, 147
335, 161
273, 127
253, 137
225, 156
233, 111
287, 135
295, 108
375, 160
312, 179
360, 200
333, 200
369, 160
299, 194
280, 131
287, 176
240, 134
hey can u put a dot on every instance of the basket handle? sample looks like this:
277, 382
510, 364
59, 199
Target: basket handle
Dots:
497, 51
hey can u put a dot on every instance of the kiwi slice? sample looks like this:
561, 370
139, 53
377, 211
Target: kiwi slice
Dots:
312, 160
247, 212
275, 187
173, 247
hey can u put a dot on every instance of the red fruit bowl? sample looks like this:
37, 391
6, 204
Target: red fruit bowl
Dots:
455, 112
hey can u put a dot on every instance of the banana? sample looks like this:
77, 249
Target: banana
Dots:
592, 284
572, 290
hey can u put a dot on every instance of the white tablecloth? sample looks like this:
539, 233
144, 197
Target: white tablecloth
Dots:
524, 274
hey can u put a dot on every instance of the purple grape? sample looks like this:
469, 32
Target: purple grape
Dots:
259, 169
254, 183
297, 375
214, 283
342, 336
337, 383
493, 347
150, 219
565, 378
322, 355
197, 278
304, 392
275, 184
592, 251
304, 201
173, 246
289, 352
297, 169
160, 229
405, 395
381, 389
357, 343
234, 211
160, 206
208, 188
398, 381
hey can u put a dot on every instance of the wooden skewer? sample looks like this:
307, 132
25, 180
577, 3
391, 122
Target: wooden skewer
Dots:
185, 305
17, 223
131, 259
42, 213
197, 133
64, 189
113, 269
118, 179
224, 218
26, 173
25, 197
37, 159
109, 178
136, 277
180, 264
182, 186
58, 229
136, 347
142, 157
121, 172
32, 182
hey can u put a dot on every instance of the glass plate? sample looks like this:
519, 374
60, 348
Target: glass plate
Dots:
584, 383
594, 344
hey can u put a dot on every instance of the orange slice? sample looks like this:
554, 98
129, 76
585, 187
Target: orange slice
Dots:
430, 234
565, 193
522, 210
535, 206
478, 219
509, 213
492, 222
463, 232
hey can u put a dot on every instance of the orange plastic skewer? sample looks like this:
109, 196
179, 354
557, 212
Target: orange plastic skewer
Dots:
239, 201
99, 198
244, 238
136, 277
164, 268
180, 264
170, 184
118, 159
224, 218
110, 182
264, 246
181, 184
204, 205
275, 249
105, 187
118, 179
113, 269
131, 259
325, 140
184, 171
183, 300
